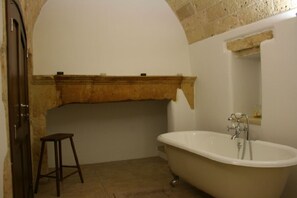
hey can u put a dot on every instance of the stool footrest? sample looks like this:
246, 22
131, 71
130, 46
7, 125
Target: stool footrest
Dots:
48, 174
69, 166
70, 174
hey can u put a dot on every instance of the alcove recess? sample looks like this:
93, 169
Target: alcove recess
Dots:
246, 74
48, 92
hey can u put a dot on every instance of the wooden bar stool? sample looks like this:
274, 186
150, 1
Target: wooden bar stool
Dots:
57, 138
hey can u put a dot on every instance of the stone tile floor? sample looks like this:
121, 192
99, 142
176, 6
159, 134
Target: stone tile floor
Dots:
140, 178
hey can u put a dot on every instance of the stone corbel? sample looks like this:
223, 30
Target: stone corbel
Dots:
187, 85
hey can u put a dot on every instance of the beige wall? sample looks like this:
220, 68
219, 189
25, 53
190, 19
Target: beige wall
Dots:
109, 131
211, 61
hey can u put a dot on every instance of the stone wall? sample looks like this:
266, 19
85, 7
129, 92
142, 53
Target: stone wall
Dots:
31, 10
203, 18
7, 179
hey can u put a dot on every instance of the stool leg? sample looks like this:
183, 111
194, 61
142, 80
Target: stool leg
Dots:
57, 170
39, 167
60, 160
76, 160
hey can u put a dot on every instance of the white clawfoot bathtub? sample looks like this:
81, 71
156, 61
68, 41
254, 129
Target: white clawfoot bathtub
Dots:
209, 161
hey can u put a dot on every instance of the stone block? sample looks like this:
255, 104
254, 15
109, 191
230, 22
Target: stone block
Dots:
180, 3
185, 11
203, 4
216, 11
243, 3
7, 177
230, 6
221, 25
249, 42
282, 5
255, 12
196, 34
193, 26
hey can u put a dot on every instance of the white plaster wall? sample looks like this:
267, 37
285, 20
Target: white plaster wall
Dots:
111, 131
109, 36
211, 62
279, 69
3, 138
117, 38
180, 116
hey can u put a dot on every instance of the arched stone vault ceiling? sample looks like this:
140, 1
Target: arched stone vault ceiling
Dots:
200, 18
205, 18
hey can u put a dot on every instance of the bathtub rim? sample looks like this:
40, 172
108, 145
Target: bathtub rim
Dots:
228, 160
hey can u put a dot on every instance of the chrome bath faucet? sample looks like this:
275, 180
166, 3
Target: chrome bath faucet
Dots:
239, 123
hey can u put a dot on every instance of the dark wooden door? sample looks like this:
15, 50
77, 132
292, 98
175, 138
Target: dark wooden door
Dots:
17, 77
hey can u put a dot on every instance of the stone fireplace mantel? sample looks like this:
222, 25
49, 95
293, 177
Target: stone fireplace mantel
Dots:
50, 91
94, 89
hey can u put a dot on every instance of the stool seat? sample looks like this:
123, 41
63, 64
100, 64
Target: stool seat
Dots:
56, 137
57, 140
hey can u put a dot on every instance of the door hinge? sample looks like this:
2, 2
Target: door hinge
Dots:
11, 24
27, 55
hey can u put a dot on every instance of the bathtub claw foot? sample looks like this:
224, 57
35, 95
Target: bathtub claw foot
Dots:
175, 181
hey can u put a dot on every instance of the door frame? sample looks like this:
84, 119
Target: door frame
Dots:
9, 16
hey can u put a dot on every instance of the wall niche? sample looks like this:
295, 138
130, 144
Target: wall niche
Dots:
246, 74
247, 86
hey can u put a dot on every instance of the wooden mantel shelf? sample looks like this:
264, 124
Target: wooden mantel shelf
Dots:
94, 89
